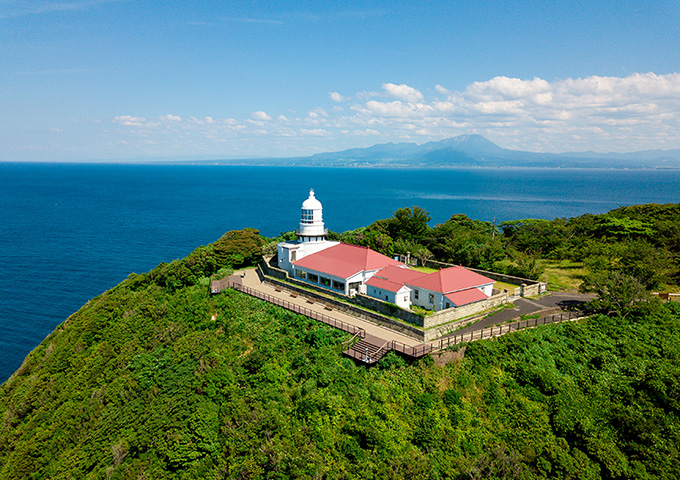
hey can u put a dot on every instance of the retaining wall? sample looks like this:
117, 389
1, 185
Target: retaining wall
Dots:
387, 308
450, 314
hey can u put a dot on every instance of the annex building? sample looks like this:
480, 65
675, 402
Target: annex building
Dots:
351, 269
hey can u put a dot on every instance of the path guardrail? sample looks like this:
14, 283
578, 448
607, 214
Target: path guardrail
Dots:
488, 332
321, 317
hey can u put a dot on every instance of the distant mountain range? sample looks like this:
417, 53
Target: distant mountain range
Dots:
471, 151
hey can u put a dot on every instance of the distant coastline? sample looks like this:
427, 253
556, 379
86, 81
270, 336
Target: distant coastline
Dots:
464, 151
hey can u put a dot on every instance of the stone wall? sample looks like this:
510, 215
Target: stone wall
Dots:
450, 314
269, 265
437, 332
387, 308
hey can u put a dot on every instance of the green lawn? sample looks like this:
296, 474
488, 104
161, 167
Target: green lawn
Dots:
423, 269
505, 286
562, 275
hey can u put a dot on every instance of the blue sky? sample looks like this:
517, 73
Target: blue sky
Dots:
120, 79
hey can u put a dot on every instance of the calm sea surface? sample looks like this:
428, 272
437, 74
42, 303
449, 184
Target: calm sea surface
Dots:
69, 232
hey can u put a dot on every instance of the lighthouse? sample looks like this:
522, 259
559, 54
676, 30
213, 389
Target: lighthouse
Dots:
311, 227
311, 233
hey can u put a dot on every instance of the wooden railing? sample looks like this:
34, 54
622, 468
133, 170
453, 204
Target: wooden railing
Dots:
333, 322
488, 332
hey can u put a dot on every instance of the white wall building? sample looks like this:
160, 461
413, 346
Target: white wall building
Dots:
389, 285
344, 268
449, 287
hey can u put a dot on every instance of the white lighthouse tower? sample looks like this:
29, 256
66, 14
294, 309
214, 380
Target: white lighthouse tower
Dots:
311, 227
311, 234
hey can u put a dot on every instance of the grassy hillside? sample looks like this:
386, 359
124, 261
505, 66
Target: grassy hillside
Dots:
156, 379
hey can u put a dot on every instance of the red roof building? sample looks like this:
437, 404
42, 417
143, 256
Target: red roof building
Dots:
343, 267
450, 287
389, 285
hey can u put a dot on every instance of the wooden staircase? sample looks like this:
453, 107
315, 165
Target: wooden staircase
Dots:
368, 350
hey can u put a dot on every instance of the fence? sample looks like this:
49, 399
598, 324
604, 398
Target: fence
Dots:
667, 297
488, 332
333, 322
216, 286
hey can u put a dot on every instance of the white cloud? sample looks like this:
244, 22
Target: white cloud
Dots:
317, 115
336, 97
260, 116
524, 110
402, 92
316, 132
129, 120
171, 118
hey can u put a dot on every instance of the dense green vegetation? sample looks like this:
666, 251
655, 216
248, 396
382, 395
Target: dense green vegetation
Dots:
157, 379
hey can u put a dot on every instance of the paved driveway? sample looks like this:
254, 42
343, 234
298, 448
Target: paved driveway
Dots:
526, 306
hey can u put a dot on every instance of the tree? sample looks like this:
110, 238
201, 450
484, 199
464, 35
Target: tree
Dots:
617, 292
239, 247
525, 264
466, 242
373, 239
409, 224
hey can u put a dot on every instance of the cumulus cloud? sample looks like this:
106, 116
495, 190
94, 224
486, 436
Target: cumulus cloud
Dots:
129, 120
336, 97
402, 92
260, 116
567, 114
171, 118
316, 132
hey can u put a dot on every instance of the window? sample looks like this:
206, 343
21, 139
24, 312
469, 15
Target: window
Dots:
415, 294
293, 256
339, 285
448, 305
312, 277
326, 282
301, 274
432, 298
307, 216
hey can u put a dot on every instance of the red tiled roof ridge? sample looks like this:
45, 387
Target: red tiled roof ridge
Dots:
451, 279
345, 260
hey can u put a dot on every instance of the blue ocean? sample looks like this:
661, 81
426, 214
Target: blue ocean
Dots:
70, 231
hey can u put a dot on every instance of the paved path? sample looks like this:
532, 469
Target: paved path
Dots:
526, 306
253, 281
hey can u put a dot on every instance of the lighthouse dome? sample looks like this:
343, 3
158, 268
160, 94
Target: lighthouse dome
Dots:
311, 203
